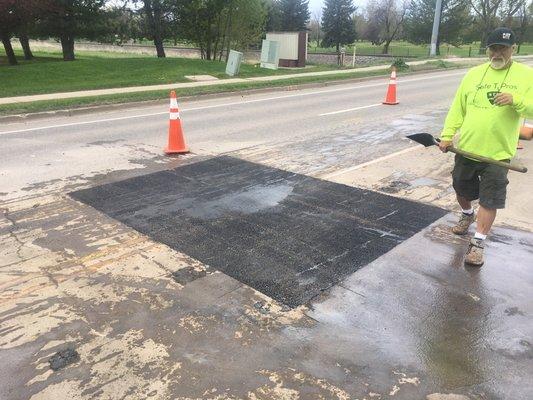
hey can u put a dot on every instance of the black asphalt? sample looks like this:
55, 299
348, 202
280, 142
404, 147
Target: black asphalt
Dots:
287, 235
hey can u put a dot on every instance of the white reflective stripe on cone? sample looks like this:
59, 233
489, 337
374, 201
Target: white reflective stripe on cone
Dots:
174, 115
391, 82
173, 103
393, 75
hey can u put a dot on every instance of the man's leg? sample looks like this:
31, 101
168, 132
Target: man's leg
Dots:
467, 216
493, 190
465, 183
463, 202
485, 219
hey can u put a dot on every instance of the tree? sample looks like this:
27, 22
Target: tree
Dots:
315, 26
247, 24
122, 25
8, 22
215, 25
386, 19
338, 23
273, 19
68, 19
455, 17
202, 22
156, 14
520, 23
487, 12
15, 16
294, 14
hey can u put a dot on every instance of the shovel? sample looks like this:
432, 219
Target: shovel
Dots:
428, 140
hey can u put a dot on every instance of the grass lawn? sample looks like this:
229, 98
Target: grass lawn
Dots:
19, 108
405, 49
48, 73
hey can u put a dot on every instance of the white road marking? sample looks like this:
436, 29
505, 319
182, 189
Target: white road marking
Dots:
349, 109
82, 123
318, 92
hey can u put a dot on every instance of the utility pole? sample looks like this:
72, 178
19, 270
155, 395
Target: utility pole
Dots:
436, 23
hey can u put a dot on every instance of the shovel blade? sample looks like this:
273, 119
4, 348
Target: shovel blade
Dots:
424, 138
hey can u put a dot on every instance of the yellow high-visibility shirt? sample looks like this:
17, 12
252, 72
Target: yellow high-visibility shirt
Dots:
487, 129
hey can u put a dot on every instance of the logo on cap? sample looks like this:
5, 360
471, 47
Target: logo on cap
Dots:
506, 35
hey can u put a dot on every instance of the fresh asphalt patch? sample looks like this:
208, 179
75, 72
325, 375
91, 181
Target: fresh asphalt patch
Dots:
287, 235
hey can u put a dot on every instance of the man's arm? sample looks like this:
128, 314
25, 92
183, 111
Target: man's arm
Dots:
455, 117
524, 104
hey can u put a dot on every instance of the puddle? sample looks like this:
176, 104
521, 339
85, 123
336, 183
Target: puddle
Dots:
424, 182
256, 199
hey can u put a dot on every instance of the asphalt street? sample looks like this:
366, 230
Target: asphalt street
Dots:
59, 148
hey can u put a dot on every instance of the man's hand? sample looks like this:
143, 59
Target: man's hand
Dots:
444, 144
503, 99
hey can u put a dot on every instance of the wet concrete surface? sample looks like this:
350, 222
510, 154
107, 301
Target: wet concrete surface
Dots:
424, 175
287, 235
413, 323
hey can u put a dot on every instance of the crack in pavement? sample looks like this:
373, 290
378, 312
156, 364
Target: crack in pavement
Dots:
11, 230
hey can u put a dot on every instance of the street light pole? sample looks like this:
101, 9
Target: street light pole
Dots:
436, 23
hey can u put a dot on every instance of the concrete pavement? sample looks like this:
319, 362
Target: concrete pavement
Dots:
148, 321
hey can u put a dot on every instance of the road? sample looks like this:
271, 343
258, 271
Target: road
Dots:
211, 127
152, 319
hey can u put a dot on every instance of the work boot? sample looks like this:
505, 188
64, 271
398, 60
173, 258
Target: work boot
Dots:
464, 223
474, 255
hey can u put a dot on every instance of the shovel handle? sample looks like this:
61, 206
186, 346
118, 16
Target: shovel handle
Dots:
517, 168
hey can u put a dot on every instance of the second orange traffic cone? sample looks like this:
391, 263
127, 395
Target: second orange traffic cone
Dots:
391, 92
176, 143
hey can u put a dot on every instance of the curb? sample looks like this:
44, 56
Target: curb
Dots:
121, 106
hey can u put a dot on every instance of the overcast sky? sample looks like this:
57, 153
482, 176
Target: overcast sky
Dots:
315, 5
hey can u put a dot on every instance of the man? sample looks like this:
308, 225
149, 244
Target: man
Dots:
487, 109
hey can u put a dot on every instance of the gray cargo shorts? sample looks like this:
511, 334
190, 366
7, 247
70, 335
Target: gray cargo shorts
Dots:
478, 180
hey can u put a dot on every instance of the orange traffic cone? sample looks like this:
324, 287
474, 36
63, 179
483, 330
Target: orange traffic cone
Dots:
176, 143
391, 92
526, 132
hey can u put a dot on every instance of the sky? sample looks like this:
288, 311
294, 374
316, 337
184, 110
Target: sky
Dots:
315, 5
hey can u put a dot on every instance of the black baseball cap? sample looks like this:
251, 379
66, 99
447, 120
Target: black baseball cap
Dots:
502, 36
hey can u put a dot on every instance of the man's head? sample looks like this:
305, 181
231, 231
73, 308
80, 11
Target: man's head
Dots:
500, 47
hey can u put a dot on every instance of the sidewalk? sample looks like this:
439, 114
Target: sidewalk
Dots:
136, 89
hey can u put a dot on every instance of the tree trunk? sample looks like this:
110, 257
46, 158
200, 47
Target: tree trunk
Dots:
67, 44
217, 41
386, 47
483, 42
230, 26
25, 43
9, 49
209, 41
158, 42
158, 35
153, 14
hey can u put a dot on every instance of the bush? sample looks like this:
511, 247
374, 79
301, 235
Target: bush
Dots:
400, 64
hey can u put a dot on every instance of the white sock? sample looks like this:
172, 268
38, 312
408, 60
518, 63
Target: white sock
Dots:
469, 211
480, 236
